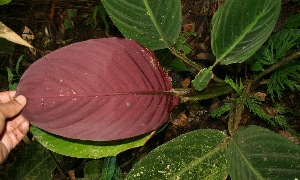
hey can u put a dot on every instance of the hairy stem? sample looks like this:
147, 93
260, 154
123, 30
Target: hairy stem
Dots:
192, 63
208, 93
185, 59
238, 108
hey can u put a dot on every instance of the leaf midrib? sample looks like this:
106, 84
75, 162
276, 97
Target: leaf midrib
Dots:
242, 36
247, 162
153, 19
218, 148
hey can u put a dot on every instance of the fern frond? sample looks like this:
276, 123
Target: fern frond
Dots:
238, 87
284, 40
288, 76
278, 46
221, 110
255, 107
281, 118
293, 21
281, 121
264, 56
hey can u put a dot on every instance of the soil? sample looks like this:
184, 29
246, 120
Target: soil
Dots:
47, 23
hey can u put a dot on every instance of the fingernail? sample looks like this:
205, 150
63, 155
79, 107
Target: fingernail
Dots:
21, 99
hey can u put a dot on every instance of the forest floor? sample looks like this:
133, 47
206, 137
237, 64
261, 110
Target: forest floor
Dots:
50, 25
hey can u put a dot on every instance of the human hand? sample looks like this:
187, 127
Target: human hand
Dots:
13, 126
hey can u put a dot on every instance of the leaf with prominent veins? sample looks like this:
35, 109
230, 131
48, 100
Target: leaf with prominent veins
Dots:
101, 89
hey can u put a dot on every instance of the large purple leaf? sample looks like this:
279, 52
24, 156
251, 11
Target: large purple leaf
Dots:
100, 89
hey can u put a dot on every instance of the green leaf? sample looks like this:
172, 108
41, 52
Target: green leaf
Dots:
239, 28
169, 61
177, 65
258, 153
68, 24
117, 174
202, 79
195, 155
108, 168
20, 59
2, 2
34, 162
86, 149
10, 78
91, 169
154, 24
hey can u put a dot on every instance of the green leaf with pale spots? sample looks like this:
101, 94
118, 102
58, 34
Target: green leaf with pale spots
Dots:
86, 149
33, 162
257, 153
195, 155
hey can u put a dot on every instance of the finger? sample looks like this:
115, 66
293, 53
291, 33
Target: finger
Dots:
7, 96
15, 131
15, 123
12, 108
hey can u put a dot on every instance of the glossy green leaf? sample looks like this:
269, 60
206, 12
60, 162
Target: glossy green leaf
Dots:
239, 28
92, 169
154, 24
258, 153
34, 162
202, 79
195, 155
86, 149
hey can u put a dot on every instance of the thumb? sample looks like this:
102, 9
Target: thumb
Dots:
13, 107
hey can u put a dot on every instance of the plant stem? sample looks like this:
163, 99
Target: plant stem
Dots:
185, 59
277, 65
209, 93
218, 79
239, 105
192, 63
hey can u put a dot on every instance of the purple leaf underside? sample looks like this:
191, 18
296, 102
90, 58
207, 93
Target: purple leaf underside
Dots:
100, 89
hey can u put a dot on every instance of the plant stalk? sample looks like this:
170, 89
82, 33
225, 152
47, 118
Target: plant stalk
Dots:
192, 63
208, 93
185, 59
240, 105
